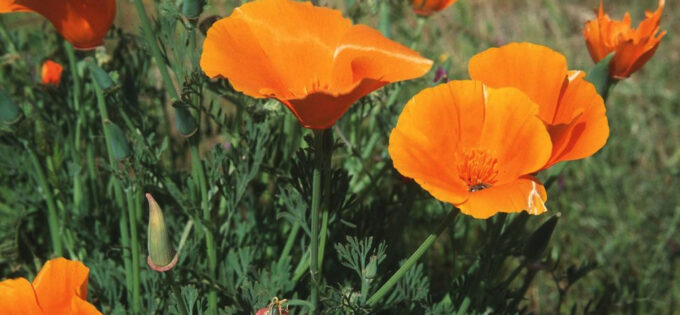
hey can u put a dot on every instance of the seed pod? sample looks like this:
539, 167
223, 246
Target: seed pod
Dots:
162, 256
538, 240
192, 9
119, 145
10, 113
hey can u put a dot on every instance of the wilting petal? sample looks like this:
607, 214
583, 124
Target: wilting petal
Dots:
84, 23
18, 298
525, 193
310, 58
536, 70
59, 281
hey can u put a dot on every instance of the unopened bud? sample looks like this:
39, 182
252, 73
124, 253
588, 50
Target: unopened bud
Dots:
372, 267
186, 124
119, 145
192, 8
10, 113
99, 75
162, 256
538, 240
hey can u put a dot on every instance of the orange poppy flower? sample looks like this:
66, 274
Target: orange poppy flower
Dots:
632, 47
428, 7
59, 288
474, 146
568, 104
310, 58
83, 23
51, 73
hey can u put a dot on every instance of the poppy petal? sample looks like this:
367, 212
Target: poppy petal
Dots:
513, 131
59, 281
580, 126
536, 70
525, 193
83, 23
18, 298
431, 129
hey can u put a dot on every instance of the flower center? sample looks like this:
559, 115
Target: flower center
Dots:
477, 168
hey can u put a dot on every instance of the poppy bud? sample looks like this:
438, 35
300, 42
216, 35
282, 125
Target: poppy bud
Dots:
119, 145
50, 73
274, 308
162, 256
599, 77
185, 122
192, 9
538, 240
10, 113
99, 75
372, 268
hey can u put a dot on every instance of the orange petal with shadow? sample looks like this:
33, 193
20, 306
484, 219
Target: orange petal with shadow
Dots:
59, 281
18, 298
84, 23
525, 193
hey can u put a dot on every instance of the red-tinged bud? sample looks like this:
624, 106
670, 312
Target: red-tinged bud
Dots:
162, 256
51, 73
275, 308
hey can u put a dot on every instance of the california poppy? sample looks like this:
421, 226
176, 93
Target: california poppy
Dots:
51, 73
568, 104
474, 147
632, 47
428, 7
310, 58
59, 288
83, 23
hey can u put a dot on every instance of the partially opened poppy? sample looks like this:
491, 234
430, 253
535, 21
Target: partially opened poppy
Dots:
568, 104
83, 23
632, 47
310, 58
474, 147
50, 73
428, 7
59, 288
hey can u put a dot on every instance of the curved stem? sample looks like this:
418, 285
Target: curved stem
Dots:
52, 219
427, 243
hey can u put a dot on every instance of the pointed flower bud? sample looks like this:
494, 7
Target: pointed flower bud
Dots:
538, 240
9, 111
162, 256
119, 144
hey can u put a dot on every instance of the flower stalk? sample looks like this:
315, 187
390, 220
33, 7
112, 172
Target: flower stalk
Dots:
322, 158
427, 243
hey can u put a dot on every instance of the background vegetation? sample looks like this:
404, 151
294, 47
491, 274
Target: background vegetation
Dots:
619, 211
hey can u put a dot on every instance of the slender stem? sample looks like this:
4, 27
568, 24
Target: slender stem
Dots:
290, 241
155, 51
118, 191
52, 219
326, 187
427, 243
319, 163
419, 32
199, 176
134, 248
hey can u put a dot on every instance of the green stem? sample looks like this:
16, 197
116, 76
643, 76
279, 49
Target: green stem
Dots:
134, 248
52, 219
199, 175
118, 191
321, 154
290, 241
392, 281
418, 33
155, 51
